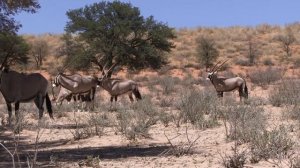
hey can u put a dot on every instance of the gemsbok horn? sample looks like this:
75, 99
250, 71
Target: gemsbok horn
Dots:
223, 84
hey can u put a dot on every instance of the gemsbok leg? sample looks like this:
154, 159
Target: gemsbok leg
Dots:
9, 109
18, 123
130, 96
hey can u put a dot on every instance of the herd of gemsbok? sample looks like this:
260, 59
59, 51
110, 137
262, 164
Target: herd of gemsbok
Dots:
20, 87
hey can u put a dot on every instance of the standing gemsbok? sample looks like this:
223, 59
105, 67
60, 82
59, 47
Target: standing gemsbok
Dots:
77, 85
116, 87
20, 87
223, 84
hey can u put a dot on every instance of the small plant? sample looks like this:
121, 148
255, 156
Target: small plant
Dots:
237, 160
287, 93
96, 123
268, 62
136, 121
168, 84
267, 76
244, 122
90, 161
270, 144
200, 108
165, 118
243, 62
184, 147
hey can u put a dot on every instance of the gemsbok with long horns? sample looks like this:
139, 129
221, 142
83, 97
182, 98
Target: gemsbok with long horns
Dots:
116, 87
223, 84
20, 87
77, 85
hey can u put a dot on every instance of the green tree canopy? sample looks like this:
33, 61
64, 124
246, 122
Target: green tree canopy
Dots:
9, 8
13, 49
207, 52
109, 32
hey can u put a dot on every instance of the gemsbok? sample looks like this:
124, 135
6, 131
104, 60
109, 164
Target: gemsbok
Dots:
116, 87
223, 84
20, 87
65, 94
82, 87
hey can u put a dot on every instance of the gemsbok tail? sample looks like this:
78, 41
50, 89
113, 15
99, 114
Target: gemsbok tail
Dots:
137, 93
49, 106
246, 91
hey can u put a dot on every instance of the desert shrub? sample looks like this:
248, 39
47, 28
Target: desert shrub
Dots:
270, 144
286, 93
89, 125
135, 122
200, 108
168, 84
296, 63
165, 118
268, 62
293, 112
79, 123
237, 160
244, 122
166, 102
295, 162
266, 77
189, 80
243, 62
90, 161
97, 122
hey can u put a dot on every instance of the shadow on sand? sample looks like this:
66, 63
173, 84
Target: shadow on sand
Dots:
72, 155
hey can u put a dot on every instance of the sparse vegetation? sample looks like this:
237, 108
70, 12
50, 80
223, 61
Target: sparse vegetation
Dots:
136, 121
244, 122
270, 144
267, 76
286, 93
199, 108
176, 102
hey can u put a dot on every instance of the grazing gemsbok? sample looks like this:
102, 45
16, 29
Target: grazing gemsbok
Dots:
77, 85
65, 94
20, 87
223, 84
116, 87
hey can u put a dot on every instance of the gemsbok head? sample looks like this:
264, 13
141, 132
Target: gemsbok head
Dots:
223, 84
20, 87
116, 87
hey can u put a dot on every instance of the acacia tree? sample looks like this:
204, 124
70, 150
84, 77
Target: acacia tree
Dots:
207, 52
286, 40
252, 48
116, 32
39, 50
9, 8
13, 49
